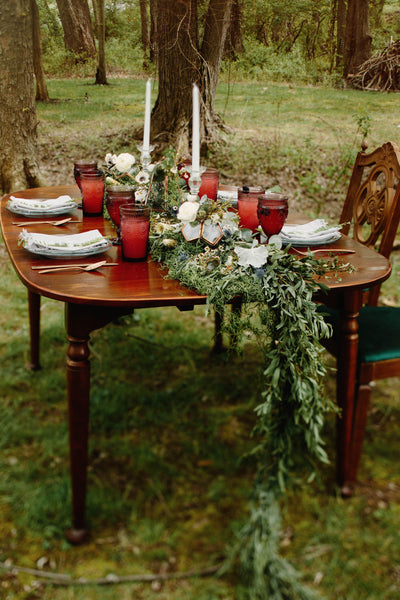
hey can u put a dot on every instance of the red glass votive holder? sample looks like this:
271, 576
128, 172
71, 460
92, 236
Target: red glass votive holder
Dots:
247, 206
83, 166
116, 196
92, 188
135, 227
209, 183
272, 212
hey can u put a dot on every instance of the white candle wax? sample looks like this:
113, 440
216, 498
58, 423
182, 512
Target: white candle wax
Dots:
196, 132
146, 131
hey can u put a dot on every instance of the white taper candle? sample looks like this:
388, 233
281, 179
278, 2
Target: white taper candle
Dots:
146, 131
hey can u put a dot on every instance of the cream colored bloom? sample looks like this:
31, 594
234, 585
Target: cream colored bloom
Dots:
124, 161
188, 211
169, 242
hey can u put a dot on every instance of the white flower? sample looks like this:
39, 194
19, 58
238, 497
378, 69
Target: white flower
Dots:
169, 242
111, 180
124, 161
110, 159
252, 257
188, 211
142, 177
140, 195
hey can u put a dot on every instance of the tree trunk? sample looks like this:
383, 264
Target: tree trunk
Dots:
340, 31
358, 40
42, 93
215, 29
179, 66
153, 32
18, 159
234, 38
144, 19
181, 63
101, 74
77, 26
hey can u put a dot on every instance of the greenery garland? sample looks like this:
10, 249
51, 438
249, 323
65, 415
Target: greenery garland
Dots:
276, 290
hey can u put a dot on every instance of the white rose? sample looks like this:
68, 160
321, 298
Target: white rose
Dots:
124, 161
188, 211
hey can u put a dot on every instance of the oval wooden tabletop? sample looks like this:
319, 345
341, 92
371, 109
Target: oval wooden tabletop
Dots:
143, 283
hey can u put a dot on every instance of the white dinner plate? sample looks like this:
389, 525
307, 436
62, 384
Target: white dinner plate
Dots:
76, 245
320, 241
26, 212
41, 208
68, 253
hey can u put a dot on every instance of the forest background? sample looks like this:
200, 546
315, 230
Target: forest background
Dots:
166, 477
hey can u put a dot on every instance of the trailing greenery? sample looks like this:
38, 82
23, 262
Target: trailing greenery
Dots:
276, 291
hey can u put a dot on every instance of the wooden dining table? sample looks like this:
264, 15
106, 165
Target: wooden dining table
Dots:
94, 299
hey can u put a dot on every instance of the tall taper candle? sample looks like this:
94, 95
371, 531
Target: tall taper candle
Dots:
196, 132
146, 130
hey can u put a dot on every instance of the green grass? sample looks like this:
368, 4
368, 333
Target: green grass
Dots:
170, 421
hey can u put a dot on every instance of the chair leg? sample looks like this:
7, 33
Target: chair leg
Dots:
359, 425
34, 330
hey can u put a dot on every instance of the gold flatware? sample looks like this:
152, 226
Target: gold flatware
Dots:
91, 267
56, 267
324, 251
55, 223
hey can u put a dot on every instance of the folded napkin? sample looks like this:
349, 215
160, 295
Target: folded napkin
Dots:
34, 242
314, 230
41, 206
231, 195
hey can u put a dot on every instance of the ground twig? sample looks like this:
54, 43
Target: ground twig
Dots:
66, 580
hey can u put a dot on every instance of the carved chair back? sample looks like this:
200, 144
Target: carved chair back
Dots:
371, 212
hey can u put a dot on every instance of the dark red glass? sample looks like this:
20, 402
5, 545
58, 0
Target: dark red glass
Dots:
272, 212
83, 166
116, 195
247, 206
135, 226
209, 184
92, 188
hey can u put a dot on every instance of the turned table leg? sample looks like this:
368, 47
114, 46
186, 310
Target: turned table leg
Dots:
78, 386
80, 321
347, 374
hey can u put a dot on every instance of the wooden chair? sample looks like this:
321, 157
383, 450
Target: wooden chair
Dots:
372, 213
367, 212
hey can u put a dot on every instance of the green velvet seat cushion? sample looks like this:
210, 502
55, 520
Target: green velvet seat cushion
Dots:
379, 331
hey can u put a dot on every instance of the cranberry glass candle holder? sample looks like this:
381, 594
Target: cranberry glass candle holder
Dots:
135, 226
272, 212
92, 188
247, 206
83, 166
209, 183
116, 196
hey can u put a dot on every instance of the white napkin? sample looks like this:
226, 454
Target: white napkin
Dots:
63, 243
42, 206
231, 195
313, 230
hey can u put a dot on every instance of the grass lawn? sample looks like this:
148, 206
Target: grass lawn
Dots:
170, 421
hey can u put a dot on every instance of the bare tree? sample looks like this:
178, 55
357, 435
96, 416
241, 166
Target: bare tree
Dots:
41, 87
101, 72
357, 39
18, 159
144, 18
183, 60
234, 38
77, 26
